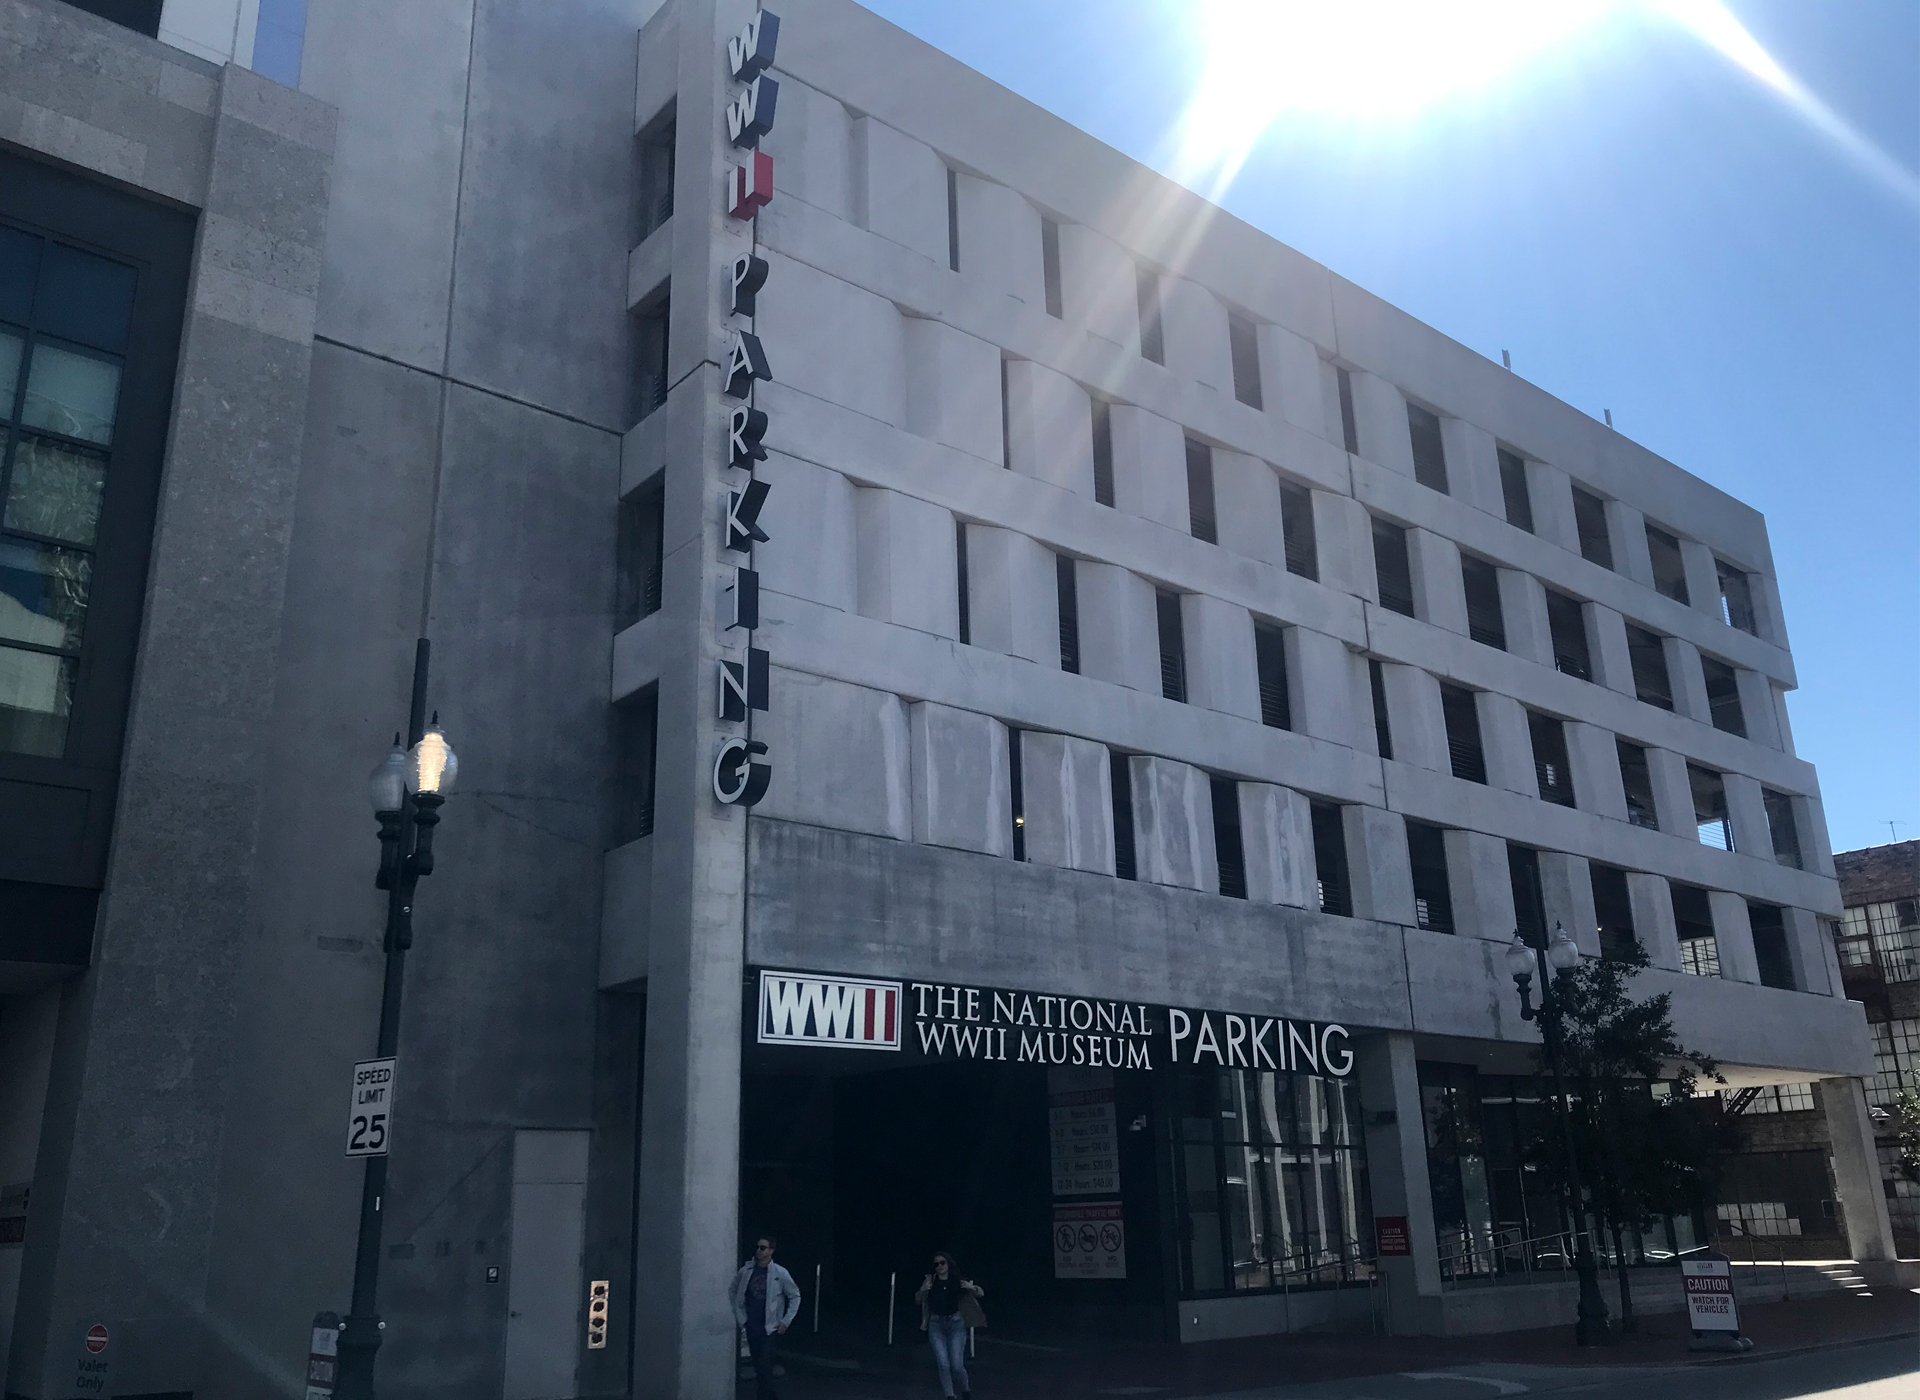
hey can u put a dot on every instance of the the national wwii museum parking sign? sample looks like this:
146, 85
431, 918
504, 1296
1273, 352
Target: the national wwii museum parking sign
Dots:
816, 1012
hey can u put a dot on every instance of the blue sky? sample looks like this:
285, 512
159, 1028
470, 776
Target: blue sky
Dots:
1647, 228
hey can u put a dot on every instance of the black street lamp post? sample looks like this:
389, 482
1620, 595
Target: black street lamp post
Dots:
1558, 956
407, 788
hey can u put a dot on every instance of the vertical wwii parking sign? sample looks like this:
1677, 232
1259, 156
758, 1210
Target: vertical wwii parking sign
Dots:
371, 1116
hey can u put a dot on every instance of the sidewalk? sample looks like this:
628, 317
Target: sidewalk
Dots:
1015, 1368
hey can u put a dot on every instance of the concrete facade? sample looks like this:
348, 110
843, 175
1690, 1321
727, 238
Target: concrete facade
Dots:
414, 339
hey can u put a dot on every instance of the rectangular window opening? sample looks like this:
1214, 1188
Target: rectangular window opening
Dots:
1770, 950
1637, 778
1330, 860
1067, 585
653, 348
1693, 925
1102, 452
1296, 530
1513, 490
1382, 731
635, 738
1782, 827
1590, 522
1153, 345
1567, 626
953, 219
1017, 793
1349, 427
1550, 768
1432, 894
1270, 660
1669, 570
1243, 342
1710, 807
1228, 854
1529, 906
1429, 450
656, 172
1050, 266
1200, 515
638, 553
1121, 771
1462, 716
1723, 696
1613, 911
1736, 597
1173, 647
965, 592
1486, 620
1648, 655
1392, 569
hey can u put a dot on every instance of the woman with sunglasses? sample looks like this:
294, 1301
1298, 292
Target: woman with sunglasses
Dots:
949, 1306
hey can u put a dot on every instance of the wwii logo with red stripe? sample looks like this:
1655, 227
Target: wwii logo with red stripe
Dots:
841, 1012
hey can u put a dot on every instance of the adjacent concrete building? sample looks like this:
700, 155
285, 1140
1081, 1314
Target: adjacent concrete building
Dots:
999, 708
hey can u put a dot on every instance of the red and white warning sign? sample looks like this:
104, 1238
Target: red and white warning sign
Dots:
1710, 1302
96, 1338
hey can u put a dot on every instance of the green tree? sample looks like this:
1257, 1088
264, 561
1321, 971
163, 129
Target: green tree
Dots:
1647, 1146
1906, 1122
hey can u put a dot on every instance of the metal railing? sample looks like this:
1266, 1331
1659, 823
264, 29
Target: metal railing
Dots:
1379, 1288
1753, 1255
1498, 1247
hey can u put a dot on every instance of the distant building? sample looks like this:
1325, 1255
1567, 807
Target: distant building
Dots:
1001, 709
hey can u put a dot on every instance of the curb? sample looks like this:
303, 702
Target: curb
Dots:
1747, 1358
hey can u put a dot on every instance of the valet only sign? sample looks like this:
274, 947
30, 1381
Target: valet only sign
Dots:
794, 1011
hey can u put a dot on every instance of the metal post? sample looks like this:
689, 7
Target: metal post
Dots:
360, 1330
816, 1297
892, 1279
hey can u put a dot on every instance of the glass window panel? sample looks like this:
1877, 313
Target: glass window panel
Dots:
36, 696
19, 265
85, 298
55, 490
43, 593
71, 393
10, 347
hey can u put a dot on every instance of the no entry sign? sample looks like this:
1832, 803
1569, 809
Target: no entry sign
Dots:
1709, 1286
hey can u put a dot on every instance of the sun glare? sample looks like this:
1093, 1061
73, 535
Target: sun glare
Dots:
1381, 61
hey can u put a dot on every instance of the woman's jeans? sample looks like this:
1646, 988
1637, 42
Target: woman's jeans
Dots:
949, 1337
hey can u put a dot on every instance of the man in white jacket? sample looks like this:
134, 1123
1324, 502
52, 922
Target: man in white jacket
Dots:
765, 1300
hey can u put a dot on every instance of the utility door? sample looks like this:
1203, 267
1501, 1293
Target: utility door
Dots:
545, 1293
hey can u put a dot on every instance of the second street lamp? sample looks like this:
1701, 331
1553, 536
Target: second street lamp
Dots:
1561, 955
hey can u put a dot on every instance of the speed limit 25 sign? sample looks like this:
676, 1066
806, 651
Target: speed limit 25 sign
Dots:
370, 1120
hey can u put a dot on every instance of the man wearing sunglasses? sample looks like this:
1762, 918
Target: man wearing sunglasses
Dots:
765, 1300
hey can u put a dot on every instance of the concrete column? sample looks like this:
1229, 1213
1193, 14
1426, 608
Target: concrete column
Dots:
1747, 810
1768, 616
1013, 593
1733, 936
1758, 706
1321, 698
1276, 835
1653, 924
906, 568
1688, 681
1551, 491
1414, 716
1594, 756
953, 388
1363, 737
1049, 427
1812, 952
1816, 842
1290, 379
1336, 432
962, 796
1149, 466
1387, 1072
1506, 742
1439, 591
1066, 787
1473, 466
1607, 645
899, 189
1672, 793
1482, 888
1246, 507
1703, 579
1119, 627
1523, 608
1566, 886
1195, 327
999, 239
1782, 719
812, 555
1377, 864
1173, 824
1222, 673
1098, 290
1627, 533
1380, 421
1343, 534
1856, 1168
